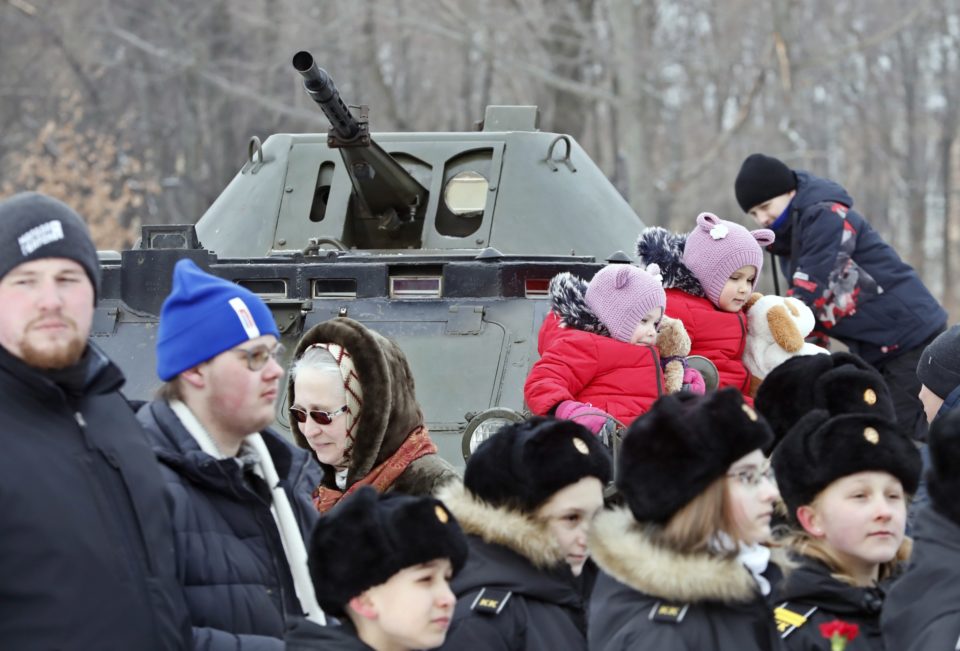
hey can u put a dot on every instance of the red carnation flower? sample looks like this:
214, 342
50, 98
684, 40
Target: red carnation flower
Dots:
839, 633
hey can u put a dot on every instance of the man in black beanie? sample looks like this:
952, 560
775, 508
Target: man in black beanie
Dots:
86, 547
859, 289
939, 373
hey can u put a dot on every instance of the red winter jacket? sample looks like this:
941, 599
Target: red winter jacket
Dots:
621, 379
717, 335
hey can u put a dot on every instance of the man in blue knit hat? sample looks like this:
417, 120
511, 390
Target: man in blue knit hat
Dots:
86, 557
240, 492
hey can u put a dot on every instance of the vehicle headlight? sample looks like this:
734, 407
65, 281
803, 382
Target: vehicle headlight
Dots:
484, 425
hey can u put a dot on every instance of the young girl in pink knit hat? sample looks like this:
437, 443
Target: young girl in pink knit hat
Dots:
597, 348
709, 275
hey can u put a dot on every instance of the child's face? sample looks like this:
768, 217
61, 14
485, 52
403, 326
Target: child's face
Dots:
413, 608
646, 332
751, 495
737, 289
569, 515
767, 212
862, 517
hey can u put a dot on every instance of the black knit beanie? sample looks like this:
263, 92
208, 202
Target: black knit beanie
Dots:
762, 178
35, 226
943, 478
939, 365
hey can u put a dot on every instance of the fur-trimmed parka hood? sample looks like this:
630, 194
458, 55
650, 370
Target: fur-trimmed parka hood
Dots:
568, 301
657, 245
518, 532
391, 409
623, 549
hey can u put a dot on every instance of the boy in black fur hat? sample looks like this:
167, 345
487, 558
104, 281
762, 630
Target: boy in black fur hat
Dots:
922, 611
846, 481
382, 563
529, 498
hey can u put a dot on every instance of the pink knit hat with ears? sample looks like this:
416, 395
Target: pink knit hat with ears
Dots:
716, 248
621, 294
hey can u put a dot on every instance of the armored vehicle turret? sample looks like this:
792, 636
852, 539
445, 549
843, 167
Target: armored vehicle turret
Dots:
444, 242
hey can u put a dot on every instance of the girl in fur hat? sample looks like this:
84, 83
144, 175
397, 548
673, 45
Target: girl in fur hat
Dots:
709, 275
352, 401
845, 481
683, 564
599, 356
530, 493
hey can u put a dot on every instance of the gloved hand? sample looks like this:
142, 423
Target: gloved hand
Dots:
693, 381
584, 413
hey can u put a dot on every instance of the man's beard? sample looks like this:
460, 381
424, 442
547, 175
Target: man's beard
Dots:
60, 355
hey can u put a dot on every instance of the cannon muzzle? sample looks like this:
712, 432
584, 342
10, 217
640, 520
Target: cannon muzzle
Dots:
321, 88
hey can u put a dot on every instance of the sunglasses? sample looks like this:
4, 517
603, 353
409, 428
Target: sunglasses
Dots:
319, 417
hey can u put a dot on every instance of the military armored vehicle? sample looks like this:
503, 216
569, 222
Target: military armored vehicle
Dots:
444, 242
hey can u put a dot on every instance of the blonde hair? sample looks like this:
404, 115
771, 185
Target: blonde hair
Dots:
693, 528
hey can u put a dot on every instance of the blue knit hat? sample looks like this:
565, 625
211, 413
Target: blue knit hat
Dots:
203, 316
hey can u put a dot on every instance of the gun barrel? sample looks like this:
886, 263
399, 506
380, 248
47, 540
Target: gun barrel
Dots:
321, 88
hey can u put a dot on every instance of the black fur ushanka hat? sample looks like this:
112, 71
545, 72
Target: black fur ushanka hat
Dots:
822, 448
524, 464
943, 478
672, 453
368, 537
839, 383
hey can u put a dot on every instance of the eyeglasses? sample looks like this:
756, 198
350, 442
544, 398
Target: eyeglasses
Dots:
753, 477
319, 417
258, 357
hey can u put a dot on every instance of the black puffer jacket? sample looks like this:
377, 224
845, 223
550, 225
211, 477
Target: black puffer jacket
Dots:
307, 636
230, 558
922, 610
511, 555
811, 586
648, 598
86, 543
860, 290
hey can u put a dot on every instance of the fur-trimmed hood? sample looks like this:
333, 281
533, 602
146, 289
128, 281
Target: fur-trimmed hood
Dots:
657, 245
391, 410
622, 548
518, 532
568, 301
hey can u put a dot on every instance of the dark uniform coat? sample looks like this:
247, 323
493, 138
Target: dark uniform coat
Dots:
648, 598
922, 611
810, 596
230, 558
86, 543
307, 636
516, 592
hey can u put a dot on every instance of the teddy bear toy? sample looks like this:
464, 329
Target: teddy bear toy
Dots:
776, 330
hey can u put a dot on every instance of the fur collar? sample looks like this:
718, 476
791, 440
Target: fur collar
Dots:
658, 245
568, 301
623, 549
391, 410
508, 528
